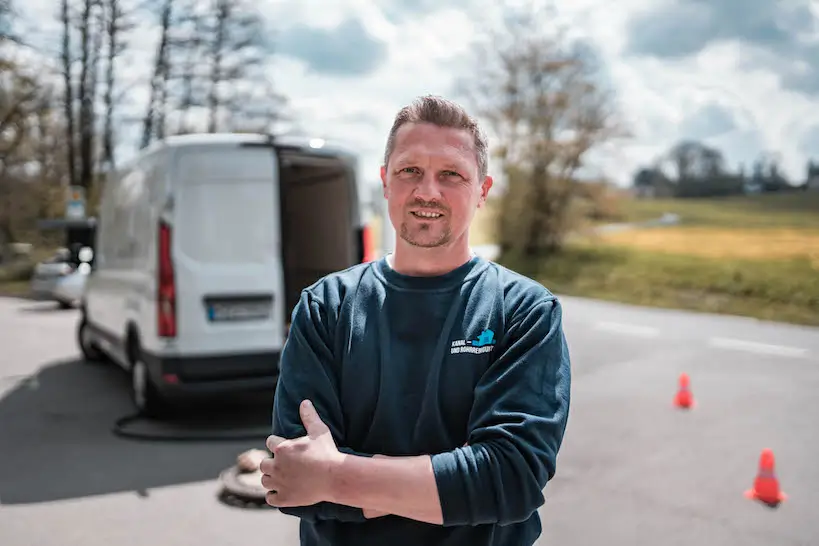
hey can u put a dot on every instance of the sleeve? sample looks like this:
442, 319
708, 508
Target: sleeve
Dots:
516, 426
305, 372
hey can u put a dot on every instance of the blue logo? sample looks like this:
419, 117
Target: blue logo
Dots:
484, 343
486, 338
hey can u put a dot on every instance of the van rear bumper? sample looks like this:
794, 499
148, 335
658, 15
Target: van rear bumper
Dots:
176, 376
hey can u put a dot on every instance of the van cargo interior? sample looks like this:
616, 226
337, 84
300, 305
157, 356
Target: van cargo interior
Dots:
318, 226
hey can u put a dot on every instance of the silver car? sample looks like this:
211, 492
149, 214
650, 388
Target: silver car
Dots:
62, 277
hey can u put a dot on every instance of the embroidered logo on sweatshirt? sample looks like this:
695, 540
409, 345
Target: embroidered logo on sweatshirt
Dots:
481, 344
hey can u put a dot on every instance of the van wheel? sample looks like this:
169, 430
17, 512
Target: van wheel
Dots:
144, 393
89, 351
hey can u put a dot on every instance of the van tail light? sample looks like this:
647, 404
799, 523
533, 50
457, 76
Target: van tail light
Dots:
166, 293
367, 244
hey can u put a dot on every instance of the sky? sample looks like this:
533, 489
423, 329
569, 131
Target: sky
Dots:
741, 75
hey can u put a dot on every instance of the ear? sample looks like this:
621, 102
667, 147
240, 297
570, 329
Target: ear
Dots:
384, 179
485, 187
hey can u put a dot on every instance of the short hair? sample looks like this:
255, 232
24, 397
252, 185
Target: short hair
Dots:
443, 113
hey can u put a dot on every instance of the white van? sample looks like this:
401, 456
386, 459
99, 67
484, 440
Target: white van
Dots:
203, 245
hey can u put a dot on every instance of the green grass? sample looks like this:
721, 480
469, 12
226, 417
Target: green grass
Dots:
782, 290
14, 289
786, 210
15, 276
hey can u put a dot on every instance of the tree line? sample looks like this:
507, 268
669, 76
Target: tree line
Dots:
692, 169
64, 108
541, 94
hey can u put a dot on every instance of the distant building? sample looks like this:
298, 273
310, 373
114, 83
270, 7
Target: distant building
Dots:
812, 180
652, 184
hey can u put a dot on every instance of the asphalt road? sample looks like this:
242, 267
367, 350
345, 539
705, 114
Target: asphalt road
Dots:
633, 470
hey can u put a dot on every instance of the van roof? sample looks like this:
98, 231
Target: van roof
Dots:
306, 142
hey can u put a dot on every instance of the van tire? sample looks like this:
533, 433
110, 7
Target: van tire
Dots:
89, 350
144, 393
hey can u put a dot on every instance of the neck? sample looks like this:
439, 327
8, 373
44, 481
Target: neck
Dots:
427, 262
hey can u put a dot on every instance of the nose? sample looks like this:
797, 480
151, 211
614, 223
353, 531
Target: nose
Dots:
428, 188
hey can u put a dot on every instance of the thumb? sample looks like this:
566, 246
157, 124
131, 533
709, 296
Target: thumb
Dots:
311, 420
273, 441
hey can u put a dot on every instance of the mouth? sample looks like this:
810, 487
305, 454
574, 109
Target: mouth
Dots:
426, 215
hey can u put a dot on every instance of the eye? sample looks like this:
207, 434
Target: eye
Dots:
411, 170
451, 173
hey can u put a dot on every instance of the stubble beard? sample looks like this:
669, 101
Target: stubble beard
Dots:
421, 236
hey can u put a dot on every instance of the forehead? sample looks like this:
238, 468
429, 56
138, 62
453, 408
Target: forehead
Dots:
415, 140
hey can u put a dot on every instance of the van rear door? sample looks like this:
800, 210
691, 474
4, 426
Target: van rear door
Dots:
226, 242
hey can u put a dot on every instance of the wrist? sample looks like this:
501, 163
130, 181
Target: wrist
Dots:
335, 475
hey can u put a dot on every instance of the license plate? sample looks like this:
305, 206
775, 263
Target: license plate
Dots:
233, 311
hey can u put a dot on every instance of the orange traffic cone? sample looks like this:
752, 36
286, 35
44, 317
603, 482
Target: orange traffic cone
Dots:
684, 398
766, 485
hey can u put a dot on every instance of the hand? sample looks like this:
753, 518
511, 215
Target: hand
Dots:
299, 472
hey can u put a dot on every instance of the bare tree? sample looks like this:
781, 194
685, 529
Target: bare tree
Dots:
239, 91
86, 93
81, 86
116, 23
22, 100
7, 17
189, 73
211, 67
153, 123
68, 91
693, 160
544, 101
94, 33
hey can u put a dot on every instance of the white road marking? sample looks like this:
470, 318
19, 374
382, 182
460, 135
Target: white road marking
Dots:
755, 347
628, 329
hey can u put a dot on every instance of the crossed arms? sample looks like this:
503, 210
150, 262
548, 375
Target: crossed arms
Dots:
516, 426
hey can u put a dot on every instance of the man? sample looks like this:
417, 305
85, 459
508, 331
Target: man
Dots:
423, 397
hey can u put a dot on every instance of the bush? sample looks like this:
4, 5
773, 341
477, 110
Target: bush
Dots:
17, 270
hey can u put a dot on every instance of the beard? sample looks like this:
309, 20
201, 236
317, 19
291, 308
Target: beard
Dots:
426, 233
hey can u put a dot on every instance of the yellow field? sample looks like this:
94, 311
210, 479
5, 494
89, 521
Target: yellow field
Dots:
713, 242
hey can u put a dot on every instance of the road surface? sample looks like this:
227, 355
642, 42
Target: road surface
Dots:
633, 470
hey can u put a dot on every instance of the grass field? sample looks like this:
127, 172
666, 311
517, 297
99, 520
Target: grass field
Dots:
786, 210
755, 256
723, 243
763, 227
782, 290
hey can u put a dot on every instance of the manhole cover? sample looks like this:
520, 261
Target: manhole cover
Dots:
242, 489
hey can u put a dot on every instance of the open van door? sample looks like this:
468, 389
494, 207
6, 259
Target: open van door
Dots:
225, 242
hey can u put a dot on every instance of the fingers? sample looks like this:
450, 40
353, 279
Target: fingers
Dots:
281, 500
270, 483
273, 441
311, 420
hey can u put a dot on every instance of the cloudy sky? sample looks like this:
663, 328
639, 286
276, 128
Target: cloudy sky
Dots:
742, 75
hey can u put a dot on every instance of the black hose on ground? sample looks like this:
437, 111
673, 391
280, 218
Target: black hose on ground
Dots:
177, 433
234, 492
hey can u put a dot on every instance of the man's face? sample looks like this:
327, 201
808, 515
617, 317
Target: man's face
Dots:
432, 184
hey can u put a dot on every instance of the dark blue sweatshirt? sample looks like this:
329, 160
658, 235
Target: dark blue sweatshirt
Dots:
402, 365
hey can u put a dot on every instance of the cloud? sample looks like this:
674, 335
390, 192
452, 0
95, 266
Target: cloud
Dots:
810, 142
709, 121
398, 11
348, 50
738, 75
782, 36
